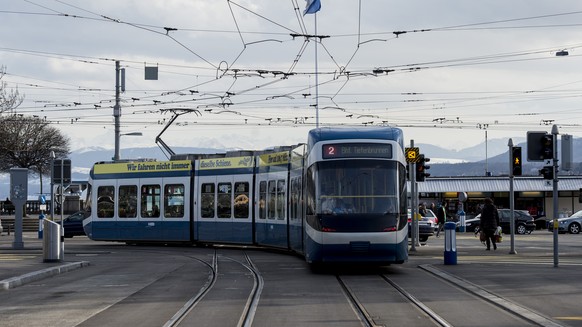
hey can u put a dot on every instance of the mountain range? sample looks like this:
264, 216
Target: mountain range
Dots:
472, 161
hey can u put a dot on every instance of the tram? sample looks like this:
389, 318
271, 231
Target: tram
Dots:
341, 197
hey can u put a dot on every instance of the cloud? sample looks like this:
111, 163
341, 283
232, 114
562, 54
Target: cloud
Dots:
250, 72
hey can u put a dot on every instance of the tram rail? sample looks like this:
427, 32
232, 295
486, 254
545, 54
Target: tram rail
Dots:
367, 318
177, 318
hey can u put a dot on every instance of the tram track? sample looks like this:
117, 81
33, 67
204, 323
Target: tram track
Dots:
368, 317
191, 303
252, 300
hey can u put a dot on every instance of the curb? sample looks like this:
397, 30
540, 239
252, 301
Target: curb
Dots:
518, 309
13, 282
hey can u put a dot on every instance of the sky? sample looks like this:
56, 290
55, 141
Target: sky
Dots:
256, 74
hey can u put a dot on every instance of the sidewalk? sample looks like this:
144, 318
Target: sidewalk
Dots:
21, 266
526, 283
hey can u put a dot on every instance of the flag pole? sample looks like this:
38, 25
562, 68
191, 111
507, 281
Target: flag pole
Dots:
316, 79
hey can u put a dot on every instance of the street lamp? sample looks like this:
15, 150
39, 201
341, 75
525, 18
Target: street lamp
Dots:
116, 155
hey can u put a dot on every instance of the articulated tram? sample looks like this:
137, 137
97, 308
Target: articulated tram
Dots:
341, 197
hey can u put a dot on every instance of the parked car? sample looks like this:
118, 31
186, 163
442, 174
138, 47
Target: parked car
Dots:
432, 217
524, 222
426, 228
572, 224
542, 222
73, 224
471, 224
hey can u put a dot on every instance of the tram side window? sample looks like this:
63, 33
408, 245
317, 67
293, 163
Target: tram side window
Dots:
241, 200
150, 201
207, 200
262, 200
174, 200
310, 191
89, 201
295, 198
105, 202
224, 201
272, 203
127, 201
281, 192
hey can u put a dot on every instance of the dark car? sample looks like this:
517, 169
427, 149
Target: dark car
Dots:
471, 224
524, 222
542, 222
73, 224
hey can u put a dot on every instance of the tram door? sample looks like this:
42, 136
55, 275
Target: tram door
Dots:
174, 209
271, 218
223, 211
150, 223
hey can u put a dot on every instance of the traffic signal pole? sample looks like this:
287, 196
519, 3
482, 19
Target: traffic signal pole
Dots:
414, 207
555, 191
511, 197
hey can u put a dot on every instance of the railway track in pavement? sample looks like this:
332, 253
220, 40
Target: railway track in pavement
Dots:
233, 278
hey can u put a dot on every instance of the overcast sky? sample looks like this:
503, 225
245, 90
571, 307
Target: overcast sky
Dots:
242, 74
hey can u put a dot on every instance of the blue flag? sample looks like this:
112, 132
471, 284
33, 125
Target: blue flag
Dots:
312, 7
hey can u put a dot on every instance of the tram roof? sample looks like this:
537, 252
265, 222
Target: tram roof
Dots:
353, 132
497, 184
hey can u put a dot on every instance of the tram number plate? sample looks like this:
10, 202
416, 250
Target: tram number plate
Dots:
357, 150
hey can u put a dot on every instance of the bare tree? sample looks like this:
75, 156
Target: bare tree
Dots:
9, 100
27, 142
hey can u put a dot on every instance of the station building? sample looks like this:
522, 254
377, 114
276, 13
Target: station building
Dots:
531, 193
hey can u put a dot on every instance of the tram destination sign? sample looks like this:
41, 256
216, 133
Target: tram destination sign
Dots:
357, 150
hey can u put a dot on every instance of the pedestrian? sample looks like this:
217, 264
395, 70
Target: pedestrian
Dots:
441, 213
422, 209
489, 222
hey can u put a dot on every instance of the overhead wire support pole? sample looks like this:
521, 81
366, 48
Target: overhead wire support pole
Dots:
316, 79
315, 37
117, 111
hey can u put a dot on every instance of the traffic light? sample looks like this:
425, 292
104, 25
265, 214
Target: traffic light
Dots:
516, 160
421, 168
547, 172
540, 146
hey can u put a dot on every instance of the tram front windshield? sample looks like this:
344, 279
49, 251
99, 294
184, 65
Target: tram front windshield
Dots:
357, 187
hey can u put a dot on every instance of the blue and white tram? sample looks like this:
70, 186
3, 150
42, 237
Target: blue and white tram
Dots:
356, 196
339, 198
140, 201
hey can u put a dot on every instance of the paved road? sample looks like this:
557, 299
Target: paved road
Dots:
107, 279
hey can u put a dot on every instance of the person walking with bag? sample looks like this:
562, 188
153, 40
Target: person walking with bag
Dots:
489, 222
441, 218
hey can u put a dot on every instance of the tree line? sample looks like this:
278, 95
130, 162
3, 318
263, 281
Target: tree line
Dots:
27, 141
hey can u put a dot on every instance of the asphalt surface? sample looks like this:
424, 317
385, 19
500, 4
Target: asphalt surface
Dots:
528, 281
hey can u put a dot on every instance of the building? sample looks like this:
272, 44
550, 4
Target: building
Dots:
534, 194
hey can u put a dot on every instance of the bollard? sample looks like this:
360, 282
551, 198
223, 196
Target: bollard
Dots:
462, 226
40, 226
450, 244
50, 242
